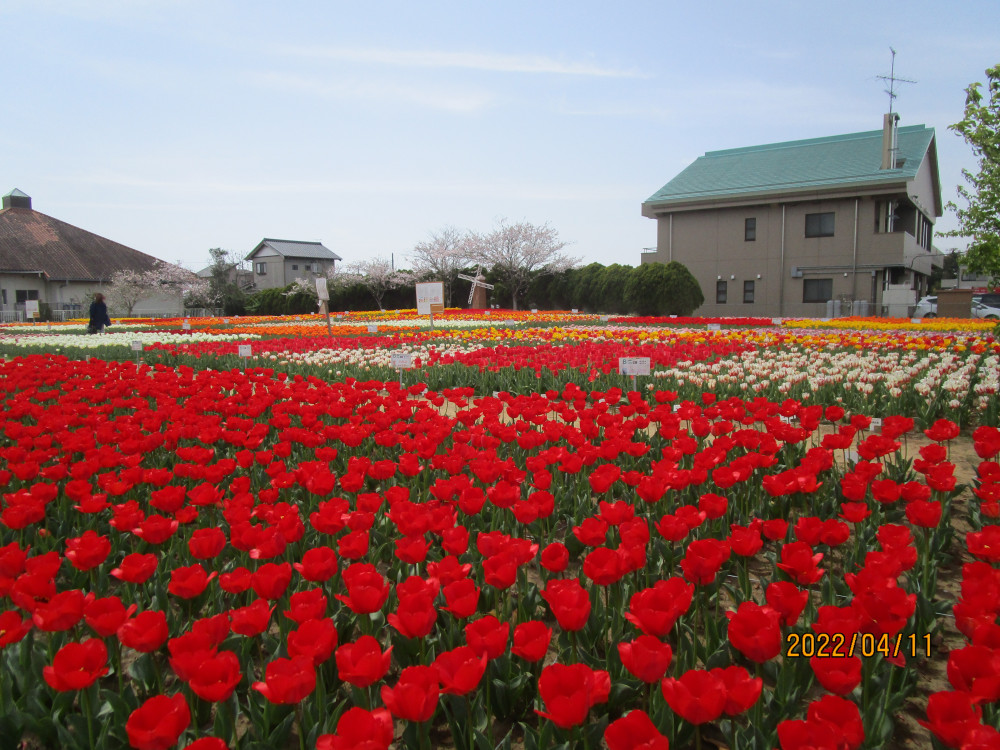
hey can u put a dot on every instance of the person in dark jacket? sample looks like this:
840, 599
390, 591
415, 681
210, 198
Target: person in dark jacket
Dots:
98, 315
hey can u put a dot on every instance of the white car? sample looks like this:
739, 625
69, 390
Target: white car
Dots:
983, 306
985, 311
926, 308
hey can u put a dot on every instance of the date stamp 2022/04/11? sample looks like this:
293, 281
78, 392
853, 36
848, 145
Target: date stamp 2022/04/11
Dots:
868, 645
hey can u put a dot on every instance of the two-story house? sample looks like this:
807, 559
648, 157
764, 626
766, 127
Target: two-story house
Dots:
278, 263
781, 229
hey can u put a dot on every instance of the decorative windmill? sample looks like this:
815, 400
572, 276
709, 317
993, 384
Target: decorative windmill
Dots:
477, 293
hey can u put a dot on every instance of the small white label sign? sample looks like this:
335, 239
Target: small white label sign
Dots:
137, 346
534, 310
186, 325
876, 424
401, 360
605, 318
244, 350
633, 365
915, 321
574, 311
322, 291
372, 328
714, 327
776, 321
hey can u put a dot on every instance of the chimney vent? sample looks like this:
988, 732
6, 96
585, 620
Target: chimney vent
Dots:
16, 199
889, 147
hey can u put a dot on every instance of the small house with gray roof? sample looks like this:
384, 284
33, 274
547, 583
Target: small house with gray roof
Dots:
786, 228
278, 263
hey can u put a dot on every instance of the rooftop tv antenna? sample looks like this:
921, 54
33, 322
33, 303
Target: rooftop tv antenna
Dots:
892, 80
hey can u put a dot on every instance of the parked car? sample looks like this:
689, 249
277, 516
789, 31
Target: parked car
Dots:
981, 310
926, 307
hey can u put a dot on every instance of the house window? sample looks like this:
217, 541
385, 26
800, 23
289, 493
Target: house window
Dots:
23, 295
721, 292
261, 268
819, 225
750, 230
817, 290
4, 293
748, 291
295, 267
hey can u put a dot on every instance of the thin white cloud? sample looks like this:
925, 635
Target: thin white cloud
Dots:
463, 188
448, 99
468, 60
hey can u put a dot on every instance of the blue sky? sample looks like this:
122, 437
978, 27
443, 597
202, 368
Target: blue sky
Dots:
174, 127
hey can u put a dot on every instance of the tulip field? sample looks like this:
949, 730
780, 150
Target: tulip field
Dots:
247, 533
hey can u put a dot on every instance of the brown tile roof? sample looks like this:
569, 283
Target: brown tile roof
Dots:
32, 241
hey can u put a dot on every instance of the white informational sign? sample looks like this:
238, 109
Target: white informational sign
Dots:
244, 350
574, 311
137, 346
401, 360
226, 321
714, 327
487, 312
605, 318
876, 425
322, 290
776, 321
186, 325
534, 310
429, 293
633, 365
373, 328
915, 321
31, 308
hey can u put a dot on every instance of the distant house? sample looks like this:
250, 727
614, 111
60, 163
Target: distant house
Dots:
278, 263
60, 265
783, 229
242, 277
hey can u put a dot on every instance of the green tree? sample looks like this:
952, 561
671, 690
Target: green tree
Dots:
980, 219
662, 289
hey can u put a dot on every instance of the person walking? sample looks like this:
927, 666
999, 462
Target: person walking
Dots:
98, 315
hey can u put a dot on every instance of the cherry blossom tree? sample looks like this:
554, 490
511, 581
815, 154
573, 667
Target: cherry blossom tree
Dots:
442, 258
128, 286
515, 252
377, 275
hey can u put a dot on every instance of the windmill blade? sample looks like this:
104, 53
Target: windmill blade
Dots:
472, 293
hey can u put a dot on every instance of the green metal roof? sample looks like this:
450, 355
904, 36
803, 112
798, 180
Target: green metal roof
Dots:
839, 160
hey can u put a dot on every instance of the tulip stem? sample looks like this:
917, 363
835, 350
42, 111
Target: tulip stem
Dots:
298, 725
90, 716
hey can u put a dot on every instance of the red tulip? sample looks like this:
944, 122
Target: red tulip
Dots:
306, 605
251, 620
358, 729
838, 674
287, 680
655, 610
145, 632
216, 677
646, 658
799, 562
461, 598
207, 543
460, 670
569, 602
236, 581
487, 635
697, 697
271, 580
362, 662
158, 723
314, 639
189, 582
104, 616
531, 640
12, 627
555, 557
703, 559
755, 631
414, 616
87, 551
742, 690
569, 691
415, 696
976, 670
367, 590
77, 666
61, 612
635, 731
318, 564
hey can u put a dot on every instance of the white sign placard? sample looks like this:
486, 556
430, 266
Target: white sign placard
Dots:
534, 310
605, 318
137, 346
876, 424
226, 321
31, 308
373, 328
244, 350
714, 327
574, 311
186, 325
776, 321
487, 312
429, 293
401, 360
322, 290
633, 365
915, 320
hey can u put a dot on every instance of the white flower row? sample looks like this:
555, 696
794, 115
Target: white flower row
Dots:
121, 338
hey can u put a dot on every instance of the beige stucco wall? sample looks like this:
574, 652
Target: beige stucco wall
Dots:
711, 244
